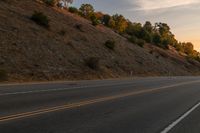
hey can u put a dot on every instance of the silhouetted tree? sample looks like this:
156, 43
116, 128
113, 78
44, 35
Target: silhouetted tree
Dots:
134, 29
94, 20
188, 48
157, 39
86, 10
73, 10
120, 23
179, 47
111, 23
105, 19
99, 15
64, 3
148, 27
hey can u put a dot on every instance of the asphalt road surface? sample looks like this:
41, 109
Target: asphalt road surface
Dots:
140, 105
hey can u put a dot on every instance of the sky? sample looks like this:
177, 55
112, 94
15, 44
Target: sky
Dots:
183, 16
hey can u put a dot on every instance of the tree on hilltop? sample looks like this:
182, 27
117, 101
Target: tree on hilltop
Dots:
59, 3
86, 10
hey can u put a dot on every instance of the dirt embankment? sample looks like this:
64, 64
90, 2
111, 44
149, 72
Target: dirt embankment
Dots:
30, 52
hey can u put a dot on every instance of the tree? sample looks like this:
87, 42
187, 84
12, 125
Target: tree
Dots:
166, 36
141, 32
163, 29
145, 35
157, 39
179, 47
148, 27
94, 20
120, 23
111, 23
188, 48
86, 10
73, 10
59, 3
195, 55
51, 2
105, 19
65, 3
68, 2
99, 15
134, 29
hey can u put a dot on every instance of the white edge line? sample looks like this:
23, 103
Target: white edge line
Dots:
81, 87
173, 124
60, 89
64, 81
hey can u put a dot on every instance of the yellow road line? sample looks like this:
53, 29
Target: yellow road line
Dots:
84, 103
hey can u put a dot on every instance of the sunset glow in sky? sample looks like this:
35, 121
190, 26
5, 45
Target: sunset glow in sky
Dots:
183, 16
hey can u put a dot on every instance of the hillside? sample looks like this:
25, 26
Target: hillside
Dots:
31, 52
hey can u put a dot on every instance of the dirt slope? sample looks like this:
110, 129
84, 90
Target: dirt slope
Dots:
31, 52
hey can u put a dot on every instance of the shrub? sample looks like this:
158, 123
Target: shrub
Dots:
94, 20
140, 43
110, 44
79, 27
93, 63
133, 39
197, 58
50, 2
157, 39
165, 44
86, 10
151, 52
3, 75
62, 32
40, 19
193, 57
137, 41
73, 10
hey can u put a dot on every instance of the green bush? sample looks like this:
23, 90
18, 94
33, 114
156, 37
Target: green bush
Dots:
3, 75
93, 63
193, 57
165, 44
197, 58
137, 41
110, 44
40, 19
157, 39
141, 43
94, 20
50, 2
73, 10
79, 27
133, 39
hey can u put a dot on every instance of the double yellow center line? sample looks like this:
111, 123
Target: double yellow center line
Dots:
87, 102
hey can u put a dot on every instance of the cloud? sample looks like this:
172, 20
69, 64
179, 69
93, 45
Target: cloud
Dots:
158, 4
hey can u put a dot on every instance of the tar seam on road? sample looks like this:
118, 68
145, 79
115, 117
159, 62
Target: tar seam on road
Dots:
84, 103
173, 124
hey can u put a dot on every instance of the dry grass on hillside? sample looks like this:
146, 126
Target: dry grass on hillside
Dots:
29, 51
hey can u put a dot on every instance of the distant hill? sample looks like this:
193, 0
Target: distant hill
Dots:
72, 48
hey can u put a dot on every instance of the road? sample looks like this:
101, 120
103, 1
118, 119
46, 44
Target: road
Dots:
140, 105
